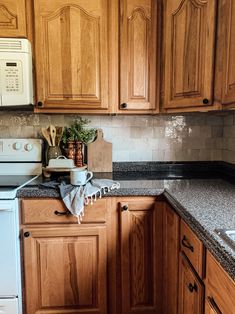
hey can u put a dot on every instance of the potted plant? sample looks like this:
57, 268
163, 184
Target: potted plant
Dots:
75, 137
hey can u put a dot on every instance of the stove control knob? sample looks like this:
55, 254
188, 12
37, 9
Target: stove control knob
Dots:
17, 146
28, 147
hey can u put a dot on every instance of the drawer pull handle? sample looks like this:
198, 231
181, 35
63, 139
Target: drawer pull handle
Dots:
66, 213
214, 305
186, 244
192, 287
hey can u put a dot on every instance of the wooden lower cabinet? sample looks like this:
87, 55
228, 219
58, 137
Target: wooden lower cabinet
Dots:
65, 263
139, 255
65, 269
191, 289
124, 258
220, 289
170, 259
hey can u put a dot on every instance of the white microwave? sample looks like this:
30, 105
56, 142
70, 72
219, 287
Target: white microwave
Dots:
16, 75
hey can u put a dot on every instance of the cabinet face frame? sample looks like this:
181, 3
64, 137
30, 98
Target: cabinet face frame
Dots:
182, 92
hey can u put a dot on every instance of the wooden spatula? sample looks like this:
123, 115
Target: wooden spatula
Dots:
59, 133
53, 134
46, 136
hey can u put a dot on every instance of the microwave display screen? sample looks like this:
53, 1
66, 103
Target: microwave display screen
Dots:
11, 64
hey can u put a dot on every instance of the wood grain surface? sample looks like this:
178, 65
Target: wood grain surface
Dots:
99, 154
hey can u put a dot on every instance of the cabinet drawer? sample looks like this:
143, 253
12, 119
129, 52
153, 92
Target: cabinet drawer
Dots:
220, 288
192, 247
40, 211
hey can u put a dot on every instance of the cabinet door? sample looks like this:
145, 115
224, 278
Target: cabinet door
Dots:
71, 39
12, 18
189, 33
220, 288
138, 227
170, 260
138, 53
65, 270
225, 73
191, 290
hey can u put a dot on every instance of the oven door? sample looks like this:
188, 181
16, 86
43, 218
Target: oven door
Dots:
8, 306
9, 250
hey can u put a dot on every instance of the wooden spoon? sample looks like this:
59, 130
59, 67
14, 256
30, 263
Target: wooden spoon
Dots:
46, 136
53, 134
59, 133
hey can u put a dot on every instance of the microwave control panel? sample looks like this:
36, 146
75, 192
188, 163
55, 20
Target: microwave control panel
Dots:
12, 72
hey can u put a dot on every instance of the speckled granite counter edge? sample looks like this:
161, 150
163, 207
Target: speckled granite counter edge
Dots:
35, 192
222, 256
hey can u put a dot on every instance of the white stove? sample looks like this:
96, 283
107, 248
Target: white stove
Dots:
20, 164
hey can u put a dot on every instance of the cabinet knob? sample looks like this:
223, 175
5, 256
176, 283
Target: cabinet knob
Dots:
192, 287
26, 234
124, 105
125, 207
40, 104
205, 101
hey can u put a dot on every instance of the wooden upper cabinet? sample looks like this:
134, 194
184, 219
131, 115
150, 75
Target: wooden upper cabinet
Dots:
189, 37
138, 55
12, 18
71, 44
225, 69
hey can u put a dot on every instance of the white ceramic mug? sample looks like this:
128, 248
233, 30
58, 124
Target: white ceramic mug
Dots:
80, 176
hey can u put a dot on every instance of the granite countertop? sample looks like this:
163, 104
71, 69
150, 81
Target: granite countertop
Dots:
205, 204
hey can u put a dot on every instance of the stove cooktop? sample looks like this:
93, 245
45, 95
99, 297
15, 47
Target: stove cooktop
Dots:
14, 181
9, 184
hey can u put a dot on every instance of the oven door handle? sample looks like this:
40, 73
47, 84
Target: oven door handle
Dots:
6, 209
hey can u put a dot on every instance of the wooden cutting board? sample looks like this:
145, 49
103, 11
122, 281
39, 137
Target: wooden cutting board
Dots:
99, 154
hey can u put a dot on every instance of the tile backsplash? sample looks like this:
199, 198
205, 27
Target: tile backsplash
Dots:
188, 137
229, 138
